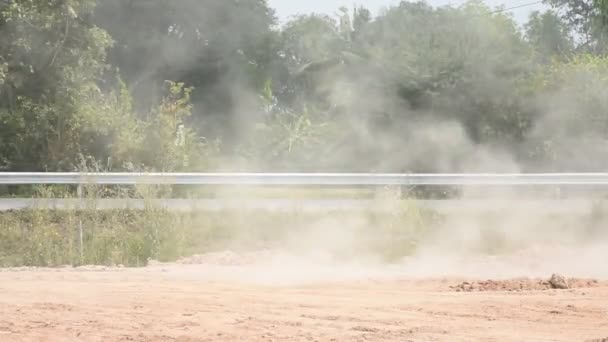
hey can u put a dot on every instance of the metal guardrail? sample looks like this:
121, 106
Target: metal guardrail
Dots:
328, 179
305, 179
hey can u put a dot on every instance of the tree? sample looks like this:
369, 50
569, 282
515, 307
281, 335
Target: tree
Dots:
409, 68
571, 132
549, 35
311, 38
460, 63
168, 143
51, 57
589, 19
224, 49
361, 18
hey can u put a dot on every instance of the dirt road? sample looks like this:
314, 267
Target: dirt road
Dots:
186, 303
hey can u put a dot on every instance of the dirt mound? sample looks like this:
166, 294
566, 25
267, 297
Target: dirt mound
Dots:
525, 284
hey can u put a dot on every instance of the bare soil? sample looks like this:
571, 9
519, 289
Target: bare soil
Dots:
194, 301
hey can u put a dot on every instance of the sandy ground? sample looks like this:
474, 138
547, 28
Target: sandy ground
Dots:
223, 302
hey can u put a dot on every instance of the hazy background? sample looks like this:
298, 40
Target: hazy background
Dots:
287, 8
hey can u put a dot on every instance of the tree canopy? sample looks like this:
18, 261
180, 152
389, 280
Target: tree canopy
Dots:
221, 85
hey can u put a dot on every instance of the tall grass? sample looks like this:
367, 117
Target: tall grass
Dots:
43, 237
83, 234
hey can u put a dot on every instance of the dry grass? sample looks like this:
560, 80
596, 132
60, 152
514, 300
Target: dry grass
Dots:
85, 235
132, 237
40, 237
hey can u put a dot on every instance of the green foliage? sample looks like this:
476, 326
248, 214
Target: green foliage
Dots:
169, 144
51, 57
574, 97
289, 141
465, 63
308, 39
132, 237
589, 19
220, 48
118, 237
157, 85
549, 35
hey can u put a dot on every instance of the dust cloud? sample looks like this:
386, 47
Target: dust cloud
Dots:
500, 244
386, 131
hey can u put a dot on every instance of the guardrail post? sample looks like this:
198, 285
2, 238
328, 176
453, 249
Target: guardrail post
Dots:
80, 194
81, 242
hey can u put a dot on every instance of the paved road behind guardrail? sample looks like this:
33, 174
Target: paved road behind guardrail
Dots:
541, 206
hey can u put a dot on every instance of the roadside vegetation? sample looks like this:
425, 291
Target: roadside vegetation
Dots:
144, 85
83, 234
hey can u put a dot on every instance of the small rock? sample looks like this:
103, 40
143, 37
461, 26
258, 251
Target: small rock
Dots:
559, 282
